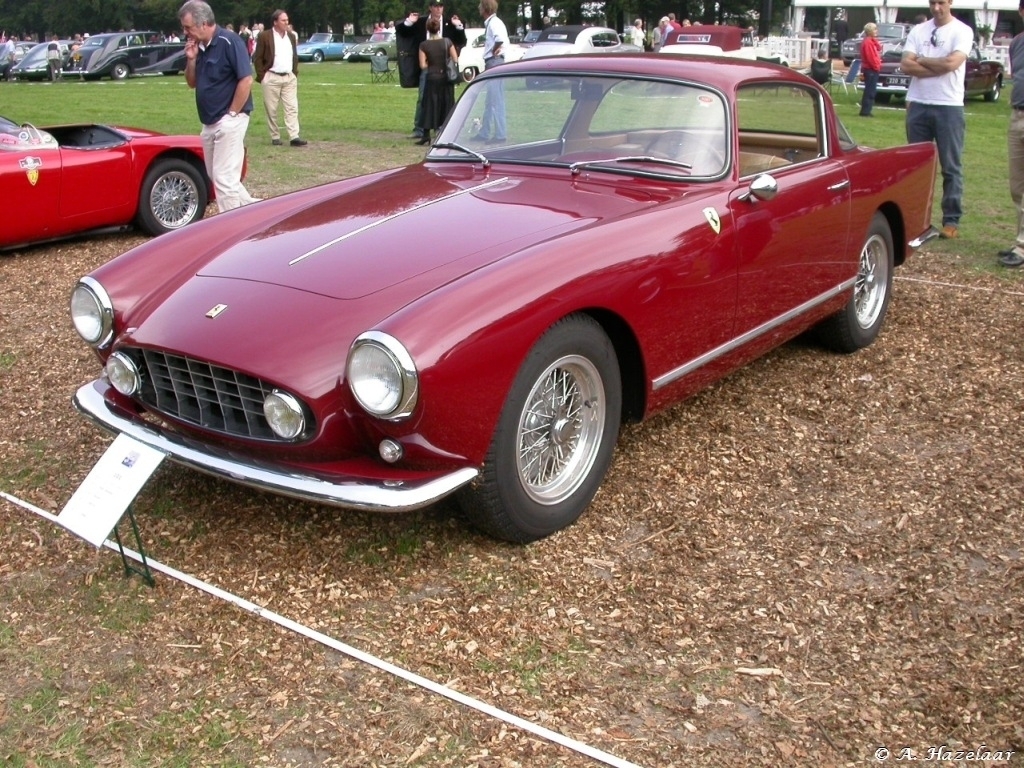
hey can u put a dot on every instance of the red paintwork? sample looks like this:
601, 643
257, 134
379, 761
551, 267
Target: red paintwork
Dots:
470, 282
81, 189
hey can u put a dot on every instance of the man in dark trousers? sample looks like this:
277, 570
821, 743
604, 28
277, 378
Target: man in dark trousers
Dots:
410, 33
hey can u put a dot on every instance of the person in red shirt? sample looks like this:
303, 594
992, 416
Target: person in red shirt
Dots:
870, 66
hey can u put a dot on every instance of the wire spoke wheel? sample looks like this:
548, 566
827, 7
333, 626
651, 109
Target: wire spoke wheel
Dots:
174, 200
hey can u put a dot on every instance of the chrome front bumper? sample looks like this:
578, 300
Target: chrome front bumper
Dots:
370, 494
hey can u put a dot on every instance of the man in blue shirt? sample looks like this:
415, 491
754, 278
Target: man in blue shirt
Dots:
217, 66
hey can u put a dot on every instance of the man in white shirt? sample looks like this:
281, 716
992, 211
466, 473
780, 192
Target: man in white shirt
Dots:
277, 69
935, 56
492, 127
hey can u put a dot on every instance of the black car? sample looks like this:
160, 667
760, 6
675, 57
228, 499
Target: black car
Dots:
983, 77
35, 65
119, 54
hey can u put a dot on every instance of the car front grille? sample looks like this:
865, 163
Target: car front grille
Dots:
206, 395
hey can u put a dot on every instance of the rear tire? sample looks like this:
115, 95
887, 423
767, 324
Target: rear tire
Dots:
173, 195
554, 439
860, 321
469, 74
993, 94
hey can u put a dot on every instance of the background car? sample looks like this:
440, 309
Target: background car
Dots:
323, 46
471, 58
982, 77
719, 40
889, 35
20, 49
379, 44
643, 229
34, 65
66, 180
561, 40
119, 54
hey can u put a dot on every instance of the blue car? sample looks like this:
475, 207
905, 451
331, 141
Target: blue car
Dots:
323, 46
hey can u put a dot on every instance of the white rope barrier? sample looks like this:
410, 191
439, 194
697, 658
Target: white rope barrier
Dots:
423, 682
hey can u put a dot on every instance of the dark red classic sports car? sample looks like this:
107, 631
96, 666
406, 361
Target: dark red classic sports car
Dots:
983, 77
66, 180
481, 323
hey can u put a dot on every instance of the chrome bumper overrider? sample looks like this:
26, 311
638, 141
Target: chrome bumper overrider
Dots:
379, 495
929, 234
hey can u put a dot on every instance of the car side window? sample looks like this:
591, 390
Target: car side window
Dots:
779, 125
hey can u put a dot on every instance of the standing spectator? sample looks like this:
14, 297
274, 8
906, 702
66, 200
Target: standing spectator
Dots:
636, 33
1014, 257
277, 69
871, 66
935, 57
53, 58
217, 67
841, 30
412, 32
658, 35
438, 93
492, 126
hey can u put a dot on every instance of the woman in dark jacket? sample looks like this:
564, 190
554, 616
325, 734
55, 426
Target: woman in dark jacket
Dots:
438, 93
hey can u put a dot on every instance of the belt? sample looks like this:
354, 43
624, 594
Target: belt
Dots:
282, 74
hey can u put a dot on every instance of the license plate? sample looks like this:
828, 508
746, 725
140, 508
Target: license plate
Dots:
900, 81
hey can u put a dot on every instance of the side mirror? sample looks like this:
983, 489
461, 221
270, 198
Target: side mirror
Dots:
763, 187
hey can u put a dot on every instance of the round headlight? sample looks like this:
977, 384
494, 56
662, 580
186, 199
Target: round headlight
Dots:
382, 375
284, 415
92, 312
123, 374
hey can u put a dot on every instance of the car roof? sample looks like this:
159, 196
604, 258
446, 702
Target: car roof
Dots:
724, 74
567, 33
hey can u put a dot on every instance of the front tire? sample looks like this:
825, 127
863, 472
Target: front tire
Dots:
993, 94
554, 439
860, 321
120, 71
469, 74
173, 195
318, 56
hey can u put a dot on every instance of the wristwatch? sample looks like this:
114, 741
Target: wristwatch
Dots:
232, 113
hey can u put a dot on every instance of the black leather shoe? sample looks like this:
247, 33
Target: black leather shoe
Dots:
298, 142
276, 142
424, 140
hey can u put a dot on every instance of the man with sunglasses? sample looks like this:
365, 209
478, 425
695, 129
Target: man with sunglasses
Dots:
935, 57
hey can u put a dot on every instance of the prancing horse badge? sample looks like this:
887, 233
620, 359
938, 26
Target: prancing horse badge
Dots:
712, 216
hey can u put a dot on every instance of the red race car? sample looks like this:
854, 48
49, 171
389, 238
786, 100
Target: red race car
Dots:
589, 240
66, 180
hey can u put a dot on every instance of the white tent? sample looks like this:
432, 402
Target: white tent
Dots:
986, 12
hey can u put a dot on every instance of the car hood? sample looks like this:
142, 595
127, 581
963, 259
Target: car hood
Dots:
418, 227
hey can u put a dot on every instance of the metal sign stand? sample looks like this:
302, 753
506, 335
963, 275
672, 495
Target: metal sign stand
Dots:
129, 567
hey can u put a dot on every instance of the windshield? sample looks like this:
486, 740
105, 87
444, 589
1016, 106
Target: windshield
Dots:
24, 137
381, 37
601, 123
320, 37
94, 42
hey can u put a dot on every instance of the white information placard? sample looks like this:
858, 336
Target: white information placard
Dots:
109, 488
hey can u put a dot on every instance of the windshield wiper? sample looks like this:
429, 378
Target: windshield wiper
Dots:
466, 150
575, 168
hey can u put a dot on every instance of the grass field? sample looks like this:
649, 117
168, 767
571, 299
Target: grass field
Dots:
356, 126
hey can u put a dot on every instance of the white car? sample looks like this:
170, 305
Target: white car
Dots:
558, 41
471, 58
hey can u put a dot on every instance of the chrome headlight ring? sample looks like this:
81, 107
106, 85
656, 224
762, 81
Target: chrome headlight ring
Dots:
382, 376
92, 312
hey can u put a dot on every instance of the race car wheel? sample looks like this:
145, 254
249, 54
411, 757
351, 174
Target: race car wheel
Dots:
554, 439
859, 322
318, 56
120, 71
173, 194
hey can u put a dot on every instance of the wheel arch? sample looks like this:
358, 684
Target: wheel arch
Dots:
898, 229
631, 362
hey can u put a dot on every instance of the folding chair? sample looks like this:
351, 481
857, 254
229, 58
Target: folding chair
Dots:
821, 72
851, 77
381, 70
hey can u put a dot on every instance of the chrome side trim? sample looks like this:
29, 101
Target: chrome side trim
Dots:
667, 378
386, 219
929, 234
375, 495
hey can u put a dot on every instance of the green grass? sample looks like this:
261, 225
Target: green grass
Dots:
340, 107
